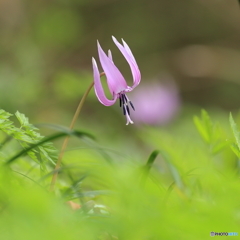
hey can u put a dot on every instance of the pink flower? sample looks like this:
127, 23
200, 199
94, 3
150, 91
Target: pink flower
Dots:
157, 103
116, 83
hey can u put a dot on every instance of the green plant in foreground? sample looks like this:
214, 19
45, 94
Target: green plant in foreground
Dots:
26, 135
180, 193
185, 190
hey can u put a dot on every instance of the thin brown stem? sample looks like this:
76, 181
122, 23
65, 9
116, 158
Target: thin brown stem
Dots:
66, 140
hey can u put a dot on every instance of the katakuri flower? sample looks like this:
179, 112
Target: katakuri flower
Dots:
116, 83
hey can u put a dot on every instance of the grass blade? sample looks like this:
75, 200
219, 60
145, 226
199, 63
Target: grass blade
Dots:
148, 165
78, 134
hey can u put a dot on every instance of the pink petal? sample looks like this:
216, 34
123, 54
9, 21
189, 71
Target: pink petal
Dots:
110, 54
115, 79
98, 87
127, 53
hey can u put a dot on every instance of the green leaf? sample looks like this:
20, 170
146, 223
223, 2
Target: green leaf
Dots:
235, 147
211, 133
173, 170
204, 126
151, 159
22, 119
236, 133
45, 140
27, 177
218, 146
26, 135
149, 164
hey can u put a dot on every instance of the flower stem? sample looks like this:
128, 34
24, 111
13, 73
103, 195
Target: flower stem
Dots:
66, 140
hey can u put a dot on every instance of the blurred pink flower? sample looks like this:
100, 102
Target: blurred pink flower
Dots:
156, 103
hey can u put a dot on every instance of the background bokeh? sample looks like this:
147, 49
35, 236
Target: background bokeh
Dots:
188, 48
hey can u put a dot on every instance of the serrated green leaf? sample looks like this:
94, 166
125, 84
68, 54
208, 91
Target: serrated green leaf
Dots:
27, 135
22, 118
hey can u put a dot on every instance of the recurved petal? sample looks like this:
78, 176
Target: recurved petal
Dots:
98, 87
110, 54
127, 53
115, 79
128, 50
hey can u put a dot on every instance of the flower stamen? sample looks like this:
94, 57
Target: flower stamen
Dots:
128, 111
132, 105
123, 99
128, 101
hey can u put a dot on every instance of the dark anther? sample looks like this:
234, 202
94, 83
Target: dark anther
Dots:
128, 110
123, 100
124, 110
132, 105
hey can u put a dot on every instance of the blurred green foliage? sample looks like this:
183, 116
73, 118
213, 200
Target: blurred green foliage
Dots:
185, 190
57, 28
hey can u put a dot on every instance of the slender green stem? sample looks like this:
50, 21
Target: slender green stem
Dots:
66, 140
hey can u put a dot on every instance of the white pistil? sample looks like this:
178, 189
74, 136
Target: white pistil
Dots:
129, 120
